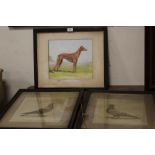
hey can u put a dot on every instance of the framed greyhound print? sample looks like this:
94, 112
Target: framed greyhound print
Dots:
41, 109
71, 57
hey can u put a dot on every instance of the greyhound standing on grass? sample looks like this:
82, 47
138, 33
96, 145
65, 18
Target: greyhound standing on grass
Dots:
71, 57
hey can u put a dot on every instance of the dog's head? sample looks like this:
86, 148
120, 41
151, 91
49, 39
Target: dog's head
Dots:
82, 48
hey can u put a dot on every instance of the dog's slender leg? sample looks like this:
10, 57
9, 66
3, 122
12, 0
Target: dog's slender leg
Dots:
59, 63
74, 65
56, 65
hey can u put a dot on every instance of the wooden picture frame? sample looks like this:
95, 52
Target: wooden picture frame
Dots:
149, 58
53, 46
33, 27
41, 108
141, 110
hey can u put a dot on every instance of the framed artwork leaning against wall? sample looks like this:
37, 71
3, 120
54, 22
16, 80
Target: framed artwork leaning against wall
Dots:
71, 57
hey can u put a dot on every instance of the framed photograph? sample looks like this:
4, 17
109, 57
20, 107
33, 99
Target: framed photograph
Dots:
113, 110
41, 109
71, 57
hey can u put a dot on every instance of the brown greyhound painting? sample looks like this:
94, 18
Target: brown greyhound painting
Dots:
71, 57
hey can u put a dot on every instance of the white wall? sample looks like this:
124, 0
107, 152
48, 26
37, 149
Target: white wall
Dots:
16, 58
126, 48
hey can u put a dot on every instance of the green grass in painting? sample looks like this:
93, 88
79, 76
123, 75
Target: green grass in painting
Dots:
83, 71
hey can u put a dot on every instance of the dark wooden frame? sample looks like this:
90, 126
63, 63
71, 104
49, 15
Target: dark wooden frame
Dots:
75, 29
5, 108
29, 27
149, 58
86, 97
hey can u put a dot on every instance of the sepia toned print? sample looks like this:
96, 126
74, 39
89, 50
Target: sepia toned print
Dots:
41, 110
118, 111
